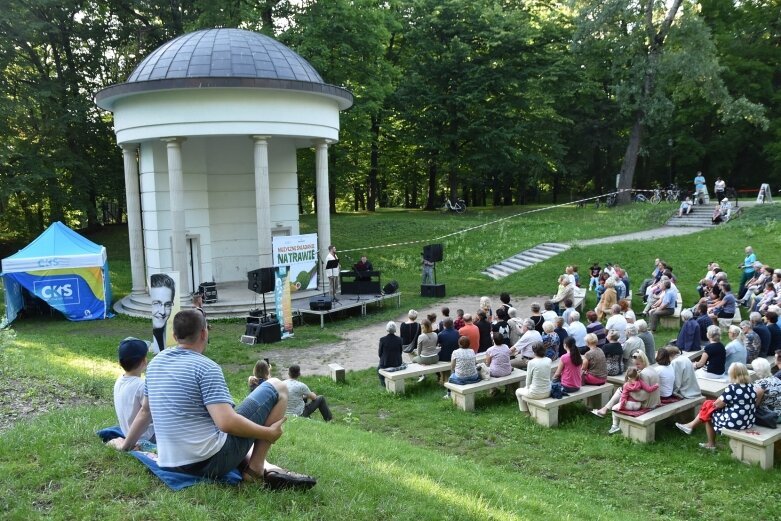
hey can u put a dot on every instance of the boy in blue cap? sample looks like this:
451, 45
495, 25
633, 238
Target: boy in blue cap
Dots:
129, 388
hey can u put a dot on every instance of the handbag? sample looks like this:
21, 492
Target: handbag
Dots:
766, 417
409, 348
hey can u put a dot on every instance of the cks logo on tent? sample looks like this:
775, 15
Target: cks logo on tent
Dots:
58, 291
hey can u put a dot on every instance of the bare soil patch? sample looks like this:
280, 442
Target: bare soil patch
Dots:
358, 348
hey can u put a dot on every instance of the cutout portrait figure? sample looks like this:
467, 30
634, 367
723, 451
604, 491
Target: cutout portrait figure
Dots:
162, 290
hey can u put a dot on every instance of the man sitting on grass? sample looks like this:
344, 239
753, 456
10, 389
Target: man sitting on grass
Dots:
298, 393
198, 431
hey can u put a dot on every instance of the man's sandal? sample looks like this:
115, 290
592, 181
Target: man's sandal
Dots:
278, 479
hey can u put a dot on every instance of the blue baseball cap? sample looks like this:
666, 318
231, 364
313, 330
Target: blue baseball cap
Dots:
131, 348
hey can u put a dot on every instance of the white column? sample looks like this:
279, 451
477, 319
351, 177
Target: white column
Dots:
262, 201
176, 195
323, 206
134, 231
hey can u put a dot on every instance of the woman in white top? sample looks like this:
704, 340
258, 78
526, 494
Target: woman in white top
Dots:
537, 378
666, 373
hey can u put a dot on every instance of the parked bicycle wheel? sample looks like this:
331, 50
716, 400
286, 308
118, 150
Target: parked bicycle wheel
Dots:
657, 197
612, 199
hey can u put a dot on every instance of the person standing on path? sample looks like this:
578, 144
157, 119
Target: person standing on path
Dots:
700, 188
719, 187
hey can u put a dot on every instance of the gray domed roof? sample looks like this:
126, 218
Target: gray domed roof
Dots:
223, 58
224, 53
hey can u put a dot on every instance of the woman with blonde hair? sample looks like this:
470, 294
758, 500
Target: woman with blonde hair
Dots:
735, 409
485, 307
648, 400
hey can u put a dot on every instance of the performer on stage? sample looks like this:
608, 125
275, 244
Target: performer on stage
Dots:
332, 273
428, 270
362, 267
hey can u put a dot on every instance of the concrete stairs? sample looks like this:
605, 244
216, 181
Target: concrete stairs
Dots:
525, 259
700, 217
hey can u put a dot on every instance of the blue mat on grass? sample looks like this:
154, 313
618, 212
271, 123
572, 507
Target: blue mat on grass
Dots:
174, 480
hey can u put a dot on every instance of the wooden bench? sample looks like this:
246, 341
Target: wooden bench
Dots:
546, 411
464, 395
643, 428
754, 445
337, 372
673, 321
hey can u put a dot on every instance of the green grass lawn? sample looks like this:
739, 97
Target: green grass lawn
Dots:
385, 456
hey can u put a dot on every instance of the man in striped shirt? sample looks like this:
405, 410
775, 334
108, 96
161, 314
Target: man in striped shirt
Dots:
197, 428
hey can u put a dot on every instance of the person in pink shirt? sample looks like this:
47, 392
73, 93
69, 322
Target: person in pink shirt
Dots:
569, 372
632, 383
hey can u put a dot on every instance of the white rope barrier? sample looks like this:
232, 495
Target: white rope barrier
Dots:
491, 223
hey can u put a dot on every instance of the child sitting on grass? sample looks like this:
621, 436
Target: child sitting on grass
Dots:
129, 388
260, 374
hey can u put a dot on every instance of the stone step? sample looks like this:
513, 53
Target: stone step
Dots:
537, 255
514, 263
524, 259
555, 246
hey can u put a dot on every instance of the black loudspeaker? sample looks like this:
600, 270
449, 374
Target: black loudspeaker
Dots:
391, 287
321, 303
433, 252
266, 332
270, 332
261, 281
432, 290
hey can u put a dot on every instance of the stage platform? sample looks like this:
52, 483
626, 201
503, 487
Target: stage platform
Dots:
235, 300
348, 302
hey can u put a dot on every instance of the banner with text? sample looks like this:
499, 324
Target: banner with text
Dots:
299, 252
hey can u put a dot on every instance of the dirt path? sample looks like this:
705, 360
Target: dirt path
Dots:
358, 349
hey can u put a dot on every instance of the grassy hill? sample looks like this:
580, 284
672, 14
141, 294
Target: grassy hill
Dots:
385, 456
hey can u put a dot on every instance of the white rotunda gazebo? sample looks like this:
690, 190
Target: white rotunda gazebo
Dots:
209, 124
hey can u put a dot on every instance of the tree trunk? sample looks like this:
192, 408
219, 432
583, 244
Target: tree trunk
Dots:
432, 183
373, 195
630, 161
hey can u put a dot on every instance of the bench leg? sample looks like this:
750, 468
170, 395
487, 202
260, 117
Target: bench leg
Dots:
638, 433
751, 454
465, 402
598, 401
545, 417
394, 386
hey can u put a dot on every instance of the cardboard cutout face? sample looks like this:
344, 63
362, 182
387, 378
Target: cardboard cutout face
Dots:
162, 304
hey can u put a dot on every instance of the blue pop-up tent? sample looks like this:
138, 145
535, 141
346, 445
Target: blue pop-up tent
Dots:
62, 268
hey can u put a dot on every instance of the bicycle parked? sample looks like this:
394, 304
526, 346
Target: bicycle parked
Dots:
610, 201
458, 207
